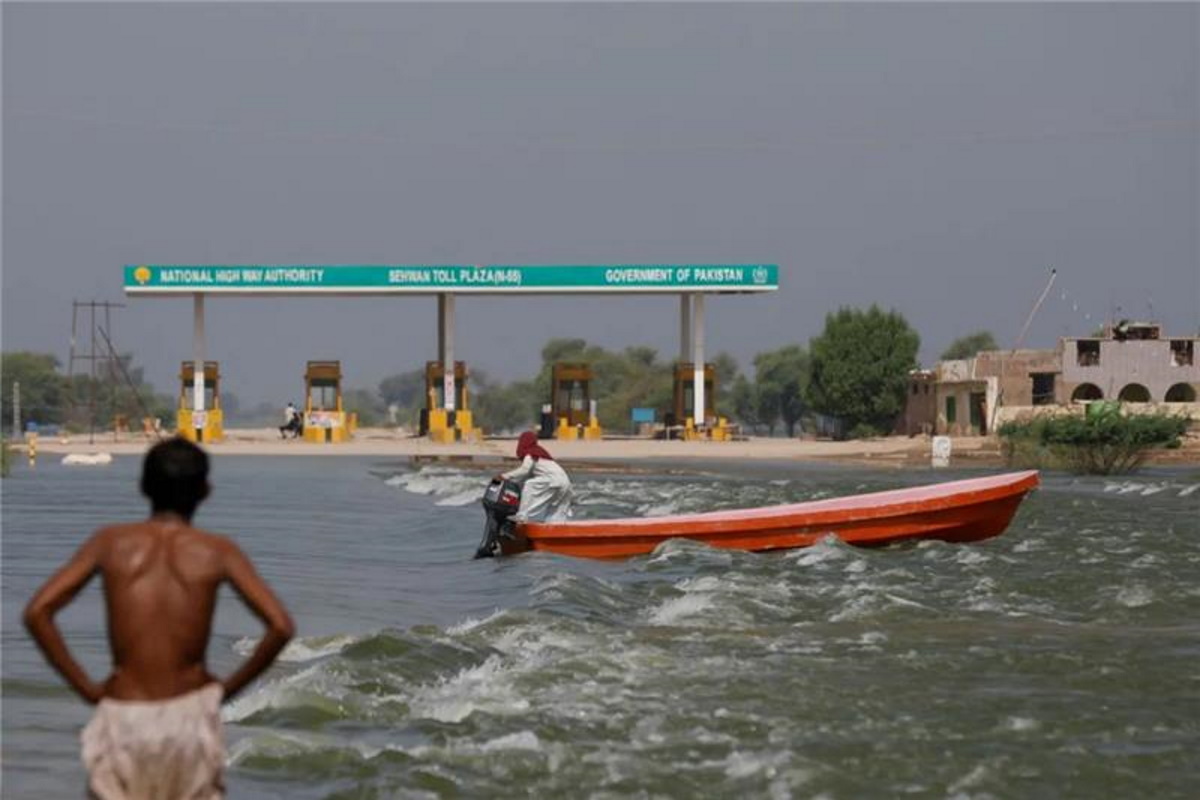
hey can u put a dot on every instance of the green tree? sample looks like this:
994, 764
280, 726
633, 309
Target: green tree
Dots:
783, 375
766, 401
743, 402
119, 389
623, 380
368, 405
44, 392
405, 391
970, 345
507, 408
725, 368
860, 367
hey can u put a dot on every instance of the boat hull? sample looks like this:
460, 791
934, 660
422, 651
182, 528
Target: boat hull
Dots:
959, 511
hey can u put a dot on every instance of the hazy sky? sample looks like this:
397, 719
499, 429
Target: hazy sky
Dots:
937, 159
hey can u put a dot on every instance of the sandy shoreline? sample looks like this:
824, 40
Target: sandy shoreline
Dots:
887, 451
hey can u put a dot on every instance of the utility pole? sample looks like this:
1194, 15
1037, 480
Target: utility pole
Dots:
91, 357
16, 404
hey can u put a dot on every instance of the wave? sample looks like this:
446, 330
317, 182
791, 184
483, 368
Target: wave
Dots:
301, 649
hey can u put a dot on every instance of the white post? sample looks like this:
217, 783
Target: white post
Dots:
198, 363
446, 347
685, 326
698, 359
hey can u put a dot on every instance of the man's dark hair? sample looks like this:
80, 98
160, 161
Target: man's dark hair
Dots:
175, 476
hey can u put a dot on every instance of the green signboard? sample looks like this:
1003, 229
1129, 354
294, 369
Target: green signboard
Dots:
504, 279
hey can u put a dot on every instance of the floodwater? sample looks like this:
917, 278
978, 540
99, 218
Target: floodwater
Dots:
1061, 659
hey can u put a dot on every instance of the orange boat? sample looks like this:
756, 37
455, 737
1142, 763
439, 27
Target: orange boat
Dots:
958, 511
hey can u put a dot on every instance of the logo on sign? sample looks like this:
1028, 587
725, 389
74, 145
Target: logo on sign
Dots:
142, 275
760, 274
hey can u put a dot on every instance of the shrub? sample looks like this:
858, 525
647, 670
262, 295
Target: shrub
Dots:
1100, 444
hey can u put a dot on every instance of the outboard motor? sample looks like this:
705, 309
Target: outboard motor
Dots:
500, 501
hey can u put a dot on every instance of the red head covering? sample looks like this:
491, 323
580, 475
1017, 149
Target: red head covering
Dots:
527, 445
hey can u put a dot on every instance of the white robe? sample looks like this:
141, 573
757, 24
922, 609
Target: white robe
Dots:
545, 493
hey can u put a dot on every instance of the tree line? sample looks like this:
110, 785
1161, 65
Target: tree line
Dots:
48, 397
848, 381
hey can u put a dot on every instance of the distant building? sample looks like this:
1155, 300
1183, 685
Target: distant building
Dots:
920, 407
1132, 362
1129, 362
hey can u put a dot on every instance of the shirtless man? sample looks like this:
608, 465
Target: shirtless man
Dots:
156, 733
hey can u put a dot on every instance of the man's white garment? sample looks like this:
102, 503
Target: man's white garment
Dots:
160, 750
546, 493
288, 413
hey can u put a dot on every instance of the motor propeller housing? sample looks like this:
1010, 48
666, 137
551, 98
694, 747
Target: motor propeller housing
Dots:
501, 500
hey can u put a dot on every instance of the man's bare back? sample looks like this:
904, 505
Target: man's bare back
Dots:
161, 578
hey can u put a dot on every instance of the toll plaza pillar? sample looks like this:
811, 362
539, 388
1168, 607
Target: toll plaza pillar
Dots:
685, 327
452, 421
198, 417
698, 405
446, 348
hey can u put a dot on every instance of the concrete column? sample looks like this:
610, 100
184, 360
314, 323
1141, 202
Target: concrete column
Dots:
198, 363
685, 326
698, 358
446, 347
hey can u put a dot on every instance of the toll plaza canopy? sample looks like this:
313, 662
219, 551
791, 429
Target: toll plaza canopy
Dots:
156, 279
690, 281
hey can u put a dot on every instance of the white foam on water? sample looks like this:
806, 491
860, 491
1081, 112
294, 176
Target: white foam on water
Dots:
744, 765
279, 743
902, 601
471, 623
1135, 596
827, 548
857, 608
657, 509
521, 740
855, 567
972, 779
704, 583
464, 498
281, 693
677, 609
969, 557
1021, 724
484, 688
275, 743
444, 482
306, 648
1184, 492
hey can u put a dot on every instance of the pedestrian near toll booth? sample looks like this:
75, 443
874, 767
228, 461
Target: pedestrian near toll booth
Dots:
291, 422
156, 732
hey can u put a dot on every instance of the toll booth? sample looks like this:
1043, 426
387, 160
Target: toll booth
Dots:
325, 420
572, 408
210, 426
712, 426
438, 422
